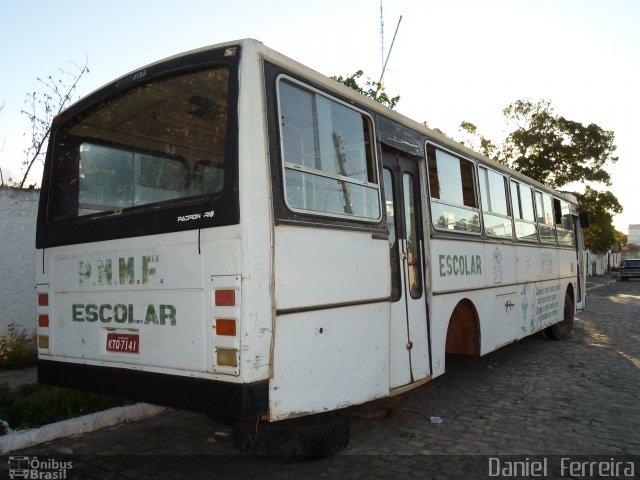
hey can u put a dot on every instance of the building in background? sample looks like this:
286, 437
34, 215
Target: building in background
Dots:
632, 248
634, 234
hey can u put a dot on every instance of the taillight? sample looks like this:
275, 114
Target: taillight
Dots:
43, 342
43, 321
43, 299
42, 312
225, 323
225, 298
226, 327
227, 357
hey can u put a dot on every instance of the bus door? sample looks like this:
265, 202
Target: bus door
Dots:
409, 332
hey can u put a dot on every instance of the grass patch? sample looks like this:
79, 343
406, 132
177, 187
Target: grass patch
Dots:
35, 405
17, 349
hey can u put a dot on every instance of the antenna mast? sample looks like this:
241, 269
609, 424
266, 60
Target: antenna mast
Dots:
381, 39
384, 67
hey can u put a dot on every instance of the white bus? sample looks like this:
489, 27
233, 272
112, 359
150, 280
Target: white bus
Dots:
228, 231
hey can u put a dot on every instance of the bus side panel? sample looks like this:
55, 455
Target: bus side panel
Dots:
316, 267
516, 290
331, 345
329, 359
505, 314
568, 265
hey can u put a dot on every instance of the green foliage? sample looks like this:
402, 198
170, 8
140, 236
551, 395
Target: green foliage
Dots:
17, 349
547, 147
371, 88
601, 235
557, 151
621, 239
34, 405
554, 150
474, 140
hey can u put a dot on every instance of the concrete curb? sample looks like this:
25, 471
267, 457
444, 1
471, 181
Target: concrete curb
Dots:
74, 426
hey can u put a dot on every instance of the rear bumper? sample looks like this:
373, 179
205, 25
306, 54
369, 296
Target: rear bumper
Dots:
235, 401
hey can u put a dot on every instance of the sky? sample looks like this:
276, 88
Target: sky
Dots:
452, 60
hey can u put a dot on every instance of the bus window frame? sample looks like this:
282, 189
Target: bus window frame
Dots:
519, 219
156, 218
548, 226
373, 151
558, 220
507, 191
430, 199
282, 214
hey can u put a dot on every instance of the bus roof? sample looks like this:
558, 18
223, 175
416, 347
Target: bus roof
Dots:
250, 45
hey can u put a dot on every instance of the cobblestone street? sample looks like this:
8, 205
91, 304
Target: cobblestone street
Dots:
534, 398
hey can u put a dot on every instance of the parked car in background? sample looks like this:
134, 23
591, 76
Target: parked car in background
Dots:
630, 269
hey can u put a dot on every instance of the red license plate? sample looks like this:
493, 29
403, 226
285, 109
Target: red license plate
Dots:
123, 342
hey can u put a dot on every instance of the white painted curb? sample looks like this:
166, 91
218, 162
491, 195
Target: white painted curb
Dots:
74, 426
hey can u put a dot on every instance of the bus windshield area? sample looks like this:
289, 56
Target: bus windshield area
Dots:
160, 141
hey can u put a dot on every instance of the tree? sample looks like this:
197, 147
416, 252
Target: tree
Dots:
547, 147
554, 150
601, 235
371, 88
43, 106
558, 152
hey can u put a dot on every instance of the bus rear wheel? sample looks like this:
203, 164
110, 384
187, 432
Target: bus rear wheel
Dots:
562, 330
298, 439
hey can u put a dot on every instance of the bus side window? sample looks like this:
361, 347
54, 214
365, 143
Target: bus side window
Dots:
523, 213
546, 223
564, 222
453, 200
495, 208
329, 161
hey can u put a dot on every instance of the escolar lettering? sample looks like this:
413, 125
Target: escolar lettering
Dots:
459, 265
120, 313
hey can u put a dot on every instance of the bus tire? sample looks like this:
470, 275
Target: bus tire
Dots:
298, 439
562, 330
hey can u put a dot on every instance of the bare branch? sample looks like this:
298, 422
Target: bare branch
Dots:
44, 106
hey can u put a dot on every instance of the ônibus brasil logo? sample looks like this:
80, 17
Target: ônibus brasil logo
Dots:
34, 468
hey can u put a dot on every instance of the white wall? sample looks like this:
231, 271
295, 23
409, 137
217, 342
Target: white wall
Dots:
597, 263
18, 210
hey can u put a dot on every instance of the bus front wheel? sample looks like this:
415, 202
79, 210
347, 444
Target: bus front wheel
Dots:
562, 330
